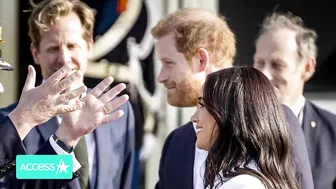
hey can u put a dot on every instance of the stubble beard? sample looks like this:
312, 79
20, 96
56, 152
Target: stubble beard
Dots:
186, 93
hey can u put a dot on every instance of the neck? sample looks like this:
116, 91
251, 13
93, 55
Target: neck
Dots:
293, 96
297, 106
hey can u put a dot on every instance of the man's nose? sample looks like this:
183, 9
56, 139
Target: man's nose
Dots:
162, 77
267, 72
64, 56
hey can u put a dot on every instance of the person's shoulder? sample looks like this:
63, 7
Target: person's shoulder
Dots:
243, 181
325, 120
325, 114
183, 131
180, 133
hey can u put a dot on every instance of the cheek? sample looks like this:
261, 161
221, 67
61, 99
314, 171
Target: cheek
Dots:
207, 121
281, 78
184, 77
80, 58
177, 78
207, 137
178, 82
47, 60
83, 63
169, 73
212, 129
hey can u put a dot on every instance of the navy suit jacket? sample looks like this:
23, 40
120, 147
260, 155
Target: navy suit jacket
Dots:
10, 146
114, 154
177, 159
319, 127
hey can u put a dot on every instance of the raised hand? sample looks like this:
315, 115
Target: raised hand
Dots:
39, 104
99, 108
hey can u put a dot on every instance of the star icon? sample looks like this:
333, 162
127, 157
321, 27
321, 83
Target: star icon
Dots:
62, 167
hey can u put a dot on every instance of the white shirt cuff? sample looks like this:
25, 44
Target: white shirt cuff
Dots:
75, 164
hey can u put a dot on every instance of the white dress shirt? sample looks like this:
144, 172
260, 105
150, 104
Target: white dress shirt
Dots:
243, 181
91, 147
297, 108
199, 166
75, 164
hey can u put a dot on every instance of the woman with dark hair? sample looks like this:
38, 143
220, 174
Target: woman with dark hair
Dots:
241, 124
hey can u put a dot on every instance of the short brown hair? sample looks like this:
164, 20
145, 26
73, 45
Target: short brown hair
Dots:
199, 28
305, 37
47, 12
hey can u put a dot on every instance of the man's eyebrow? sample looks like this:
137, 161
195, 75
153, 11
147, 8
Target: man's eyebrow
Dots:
166, 59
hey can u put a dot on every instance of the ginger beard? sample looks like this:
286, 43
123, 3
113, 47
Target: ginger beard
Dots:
185, 93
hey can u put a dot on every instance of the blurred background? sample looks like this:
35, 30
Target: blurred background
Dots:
124, 49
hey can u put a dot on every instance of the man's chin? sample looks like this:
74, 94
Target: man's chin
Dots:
278, 94
178, 102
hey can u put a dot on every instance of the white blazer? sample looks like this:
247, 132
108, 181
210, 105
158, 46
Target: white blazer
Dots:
243, 181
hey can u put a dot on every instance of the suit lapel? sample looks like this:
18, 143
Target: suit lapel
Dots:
48, 128
311, 127
102, 138
39, 135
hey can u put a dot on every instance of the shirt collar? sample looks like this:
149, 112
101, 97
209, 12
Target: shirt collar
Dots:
298, 106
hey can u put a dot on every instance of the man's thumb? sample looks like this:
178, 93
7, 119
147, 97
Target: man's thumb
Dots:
30, 80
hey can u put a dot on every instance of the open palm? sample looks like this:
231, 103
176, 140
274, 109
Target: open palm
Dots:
99, 108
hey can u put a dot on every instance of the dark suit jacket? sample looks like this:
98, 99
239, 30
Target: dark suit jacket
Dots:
319, 127
114, 153
10, 146
177, 159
